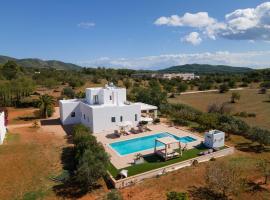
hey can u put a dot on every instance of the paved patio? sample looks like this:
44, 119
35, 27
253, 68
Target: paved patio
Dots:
124, 161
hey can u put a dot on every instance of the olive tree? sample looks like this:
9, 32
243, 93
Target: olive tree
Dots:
224, 178
235, 97
91, 159
264, 167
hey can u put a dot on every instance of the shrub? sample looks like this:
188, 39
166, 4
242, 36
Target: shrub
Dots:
172, 95
208, 121
235, 96
223, 88
113, 195
180, 122
224, 108
251, 114
263, 90
243, 84
204, 86
156, 120
265, 84
262, 136
177, 196
68, 92
223, 178
212, 159
91, 159
195, 163
75, 82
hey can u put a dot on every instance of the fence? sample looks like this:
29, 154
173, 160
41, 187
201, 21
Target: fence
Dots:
163, 170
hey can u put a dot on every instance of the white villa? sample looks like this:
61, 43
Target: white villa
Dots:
103, 109
3, 128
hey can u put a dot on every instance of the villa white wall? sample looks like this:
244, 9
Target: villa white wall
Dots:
102, 116
121, 95
86, 115
108, 96
66, 109
90, 92
105, 97
3, 129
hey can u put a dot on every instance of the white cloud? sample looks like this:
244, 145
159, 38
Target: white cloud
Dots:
200, 19
86, 25
193, 38
241, 24
254, 59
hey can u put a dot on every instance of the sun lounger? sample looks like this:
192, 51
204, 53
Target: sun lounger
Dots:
134, 131
140, 129
125, 133
116, 133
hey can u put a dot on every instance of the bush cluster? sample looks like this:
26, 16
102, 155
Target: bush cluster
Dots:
183, 114
91, 160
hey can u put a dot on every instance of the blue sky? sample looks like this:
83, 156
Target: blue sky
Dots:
138, 34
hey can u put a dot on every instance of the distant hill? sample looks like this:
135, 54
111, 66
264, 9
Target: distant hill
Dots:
206, 69
38, 63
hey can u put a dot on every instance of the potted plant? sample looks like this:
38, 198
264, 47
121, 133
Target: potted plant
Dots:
138, 159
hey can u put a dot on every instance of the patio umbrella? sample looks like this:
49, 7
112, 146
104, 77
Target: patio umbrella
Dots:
125, 124
124, 173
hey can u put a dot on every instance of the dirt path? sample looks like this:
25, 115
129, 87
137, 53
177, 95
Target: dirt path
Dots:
206, 91
13, 126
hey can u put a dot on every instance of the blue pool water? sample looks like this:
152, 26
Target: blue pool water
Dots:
144, 143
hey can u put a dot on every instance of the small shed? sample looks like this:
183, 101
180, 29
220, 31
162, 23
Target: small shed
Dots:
169, 150
214, 139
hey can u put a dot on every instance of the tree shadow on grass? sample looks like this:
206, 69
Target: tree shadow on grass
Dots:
69, 188
250, 147
254, 187
204, 193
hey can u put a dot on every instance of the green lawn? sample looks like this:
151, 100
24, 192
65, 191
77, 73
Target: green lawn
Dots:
154, 162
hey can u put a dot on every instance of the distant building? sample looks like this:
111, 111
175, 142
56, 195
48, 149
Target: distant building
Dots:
183, 76
143, 75
214, 139
3, 128
104, 108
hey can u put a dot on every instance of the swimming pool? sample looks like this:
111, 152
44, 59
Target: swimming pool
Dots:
144, 143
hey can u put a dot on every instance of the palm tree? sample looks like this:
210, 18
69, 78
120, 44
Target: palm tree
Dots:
45, 104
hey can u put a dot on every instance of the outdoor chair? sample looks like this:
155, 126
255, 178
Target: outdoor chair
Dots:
116, 133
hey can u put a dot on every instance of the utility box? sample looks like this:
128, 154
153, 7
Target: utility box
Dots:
214, 139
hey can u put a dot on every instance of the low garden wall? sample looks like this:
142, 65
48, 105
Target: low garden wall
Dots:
163, 170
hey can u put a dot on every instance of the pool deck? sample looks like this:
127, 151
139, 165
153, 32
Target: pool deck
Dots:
124, 161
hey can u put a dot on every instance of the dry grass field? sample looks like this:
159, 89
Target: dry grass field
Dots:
192, 179
250, 101
30, 156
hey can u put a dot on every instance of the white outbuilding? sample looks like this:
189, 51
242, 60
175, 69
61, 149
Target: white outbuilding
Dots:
214, 139
3, 128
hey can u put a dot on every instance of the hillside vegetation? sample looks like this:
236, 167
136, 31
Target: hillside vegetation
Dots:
206, 69
38, 63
